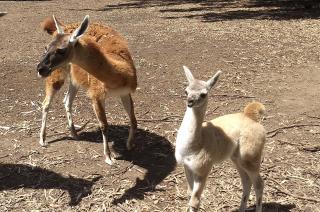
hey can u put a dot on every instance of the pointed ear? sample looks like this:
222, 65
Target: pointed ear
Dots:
80, 30
58, 27
188, 74
211, 82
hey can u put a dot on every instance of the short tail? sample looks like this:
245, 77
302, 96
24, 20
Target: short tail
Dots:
49, 26
255, 111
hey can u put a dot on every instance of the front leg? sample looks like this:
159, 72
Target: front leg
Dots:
68, 101
199, 183
45, 108
189, 177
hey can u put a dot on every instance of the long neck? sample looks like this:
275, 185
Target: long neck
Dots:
192, 123
88, 56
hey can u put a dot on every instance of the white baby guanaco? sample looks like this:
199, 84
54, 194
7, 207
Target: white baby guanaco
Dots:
200, 144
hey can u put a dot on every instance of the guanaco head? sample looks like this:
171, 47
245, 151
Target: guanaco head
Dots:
197, 90
60, 51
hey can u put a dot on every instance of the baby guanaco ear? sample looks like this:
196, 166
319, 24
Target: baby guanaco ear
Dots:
80, 30
211, 82
58, 27
188, 74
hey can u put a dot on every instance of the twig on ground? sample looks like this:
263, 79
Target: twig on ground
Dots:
285, 191
311, 149
274, 132
287, 142
55, 200
234, 96
314, 117
4, 156
122, 171
165, 119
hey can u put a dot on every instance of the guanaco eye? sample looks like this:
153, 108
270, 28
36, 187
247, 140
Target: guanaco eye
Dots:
203, 95
186, 93
62, 51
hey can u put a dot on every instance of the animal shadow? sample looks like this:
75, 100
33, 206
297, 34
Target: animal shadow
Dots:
272, 207
277, 207
16, 176
153, 153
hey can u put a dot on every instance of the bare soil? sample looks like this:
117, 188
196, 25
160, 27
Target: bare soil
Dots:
268, 51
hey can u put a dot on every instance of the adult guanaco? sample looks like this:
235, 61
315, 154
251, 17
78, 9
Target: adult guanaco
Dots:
98, 59
200, 144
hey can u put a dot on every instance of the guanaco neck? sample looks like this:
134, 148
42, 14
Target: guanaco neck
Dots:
88, 56
192, 125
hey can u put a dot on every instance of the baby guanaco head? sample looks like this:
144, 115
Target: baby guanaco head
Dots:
197, 90
60, 50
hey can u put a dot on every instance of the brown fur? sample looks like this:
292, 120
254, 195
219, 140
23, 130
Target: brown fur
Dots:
112, 43
108, 68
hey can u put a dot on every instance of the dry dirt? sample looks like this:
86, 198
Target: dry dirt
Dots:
267, 52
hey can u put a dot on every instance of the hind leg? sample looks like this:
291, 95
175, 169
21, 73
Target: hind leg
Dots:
129, 107
258, 186
68, 101
246, 186
99, 109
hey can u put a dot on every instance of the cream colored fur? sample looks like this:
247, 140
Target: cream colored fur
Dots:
200, 144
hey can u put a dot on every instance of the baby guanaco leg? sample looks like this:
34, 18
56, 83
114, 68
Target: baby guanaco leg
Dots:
189, 177
246, 186
129, 107
99, 109
198, 186
258, 185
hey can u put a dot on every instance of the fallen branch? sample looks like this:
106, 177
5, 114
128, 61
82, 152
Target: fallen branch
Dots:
4, 156
3, 13
234, 96
274, 132
314, 117
165, 119
311, 149
285, 191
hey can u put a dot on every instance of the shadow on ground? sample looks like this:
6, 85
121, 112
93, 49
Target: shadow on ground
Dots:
153, 152
226, 10
277, 207
272, 207
16, 176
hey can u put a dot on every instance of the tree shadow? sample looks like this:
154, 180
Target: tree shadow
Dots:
227, 10
153, 152
16, 176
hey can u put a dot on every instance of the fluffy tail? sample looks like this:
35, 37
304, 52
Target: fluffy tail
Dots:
255, 111
49, 26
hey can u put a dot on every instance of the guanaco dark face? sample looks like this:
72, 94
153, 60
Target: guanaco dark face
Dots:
57, 54
197, 90
60, 51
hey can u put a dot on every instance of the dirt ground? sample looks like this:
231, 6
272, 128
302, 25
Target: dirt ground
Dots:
267, 51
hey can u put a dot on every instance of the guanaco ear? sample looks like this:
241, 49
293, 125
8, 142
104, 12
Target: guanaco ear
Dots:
211, 82
80, 30
58, 27
188, 74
